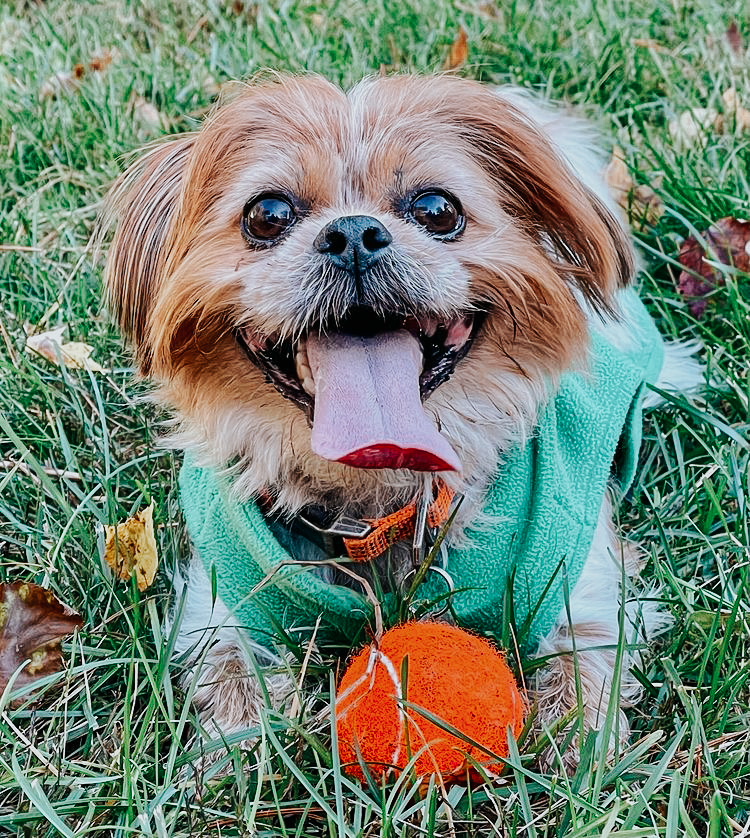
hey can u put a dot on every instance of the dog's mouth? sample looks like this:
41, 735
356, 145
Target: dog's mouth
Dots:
362, 384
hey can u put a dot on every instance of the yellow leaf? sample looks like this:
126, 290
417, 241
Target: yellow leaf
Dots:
131, 548
75, 355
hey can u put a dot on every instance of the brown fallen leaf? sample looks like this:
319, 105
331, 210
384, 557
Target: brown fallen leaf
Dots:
32, 624
647, 207
75, 355
618, 177
728, 242
131, 548
640, 201
459, 52
101, 60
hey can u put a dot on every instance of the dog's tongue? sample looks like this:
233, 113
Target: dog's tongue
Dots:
368, 411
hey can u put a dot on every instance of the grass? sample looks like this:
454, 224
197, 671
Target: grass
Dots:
106, 747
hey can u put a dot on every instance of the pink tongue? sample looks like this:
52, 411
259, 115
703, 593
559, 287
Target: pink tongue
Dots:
368, 412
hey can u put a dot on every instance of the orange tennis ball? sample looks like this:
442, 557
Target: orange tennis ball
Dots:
458, 677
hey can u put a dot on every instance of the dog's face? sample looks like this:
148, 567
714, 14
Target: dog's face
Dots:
309, 269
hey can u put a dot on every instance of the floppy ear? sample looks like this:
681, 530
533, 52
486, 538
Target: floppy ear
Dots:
142, 203
587, 244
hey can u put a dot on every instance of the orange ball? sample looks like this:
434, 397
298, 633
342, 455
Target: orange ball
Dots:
460, 678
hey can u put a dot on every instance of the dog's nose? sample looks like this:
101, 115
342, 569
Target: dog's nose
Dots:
353, 242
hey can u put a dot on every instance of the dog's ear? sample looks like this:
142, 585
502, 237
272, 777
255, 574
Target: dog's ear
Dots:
586, 243
142, 204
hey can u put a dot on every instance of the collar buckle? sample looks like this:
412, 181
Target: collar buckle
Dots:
342, 526
329, 533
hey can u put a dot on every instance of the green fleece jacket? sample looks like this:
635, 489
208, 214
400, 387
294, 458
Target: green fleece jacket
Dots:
545, 501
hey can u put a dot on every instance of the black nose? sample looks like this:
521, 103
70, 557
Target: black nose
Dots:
353, 242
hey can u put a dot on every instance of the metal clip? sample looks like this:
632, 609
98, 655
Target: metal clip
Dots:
447, 578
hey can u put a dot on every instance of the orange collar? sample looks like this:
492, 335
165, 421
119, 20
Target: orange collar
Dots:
400, 525
366, 540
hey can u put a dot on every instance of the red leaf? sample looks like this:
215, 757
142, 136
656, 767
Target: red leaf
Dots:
728, 242
734, 38
32, 624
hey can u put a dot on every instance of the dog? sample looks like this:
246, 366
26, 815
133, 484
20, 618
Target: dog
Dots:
365, 305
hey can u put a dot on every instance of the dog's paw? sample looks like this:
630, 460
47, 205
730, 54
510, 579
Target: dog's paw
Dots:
568, 700
230, 700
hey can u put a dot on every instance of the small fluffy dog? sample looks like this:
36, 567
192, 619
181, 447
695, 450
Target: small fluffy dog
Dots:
356, 301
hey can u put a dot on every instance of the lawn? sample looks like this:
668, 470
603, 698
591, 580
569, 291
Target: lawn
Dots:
108, 746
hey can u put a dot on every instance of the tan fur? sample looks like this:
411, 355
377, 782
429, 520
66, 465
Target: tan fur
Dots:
181, 278
541, 252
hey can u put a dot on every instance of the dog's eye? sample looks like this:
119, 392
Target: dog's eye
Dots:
440, 214
267, 218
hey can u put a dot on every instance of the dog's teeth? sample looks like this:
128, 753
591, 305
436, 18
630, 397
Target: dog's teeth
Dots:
302, 366
429, 326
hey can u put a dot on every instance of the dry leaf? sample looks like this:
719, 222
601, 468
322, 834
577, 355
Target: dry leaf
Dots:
734, 108
32, 624
210, 86
647, 206
734, 38
101, 60
728, 242
649, 43
131, 547
641, 202
489, 11
459, 51
694, 124
617, 175
69, 81
75, 355
59, 83
147, 114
